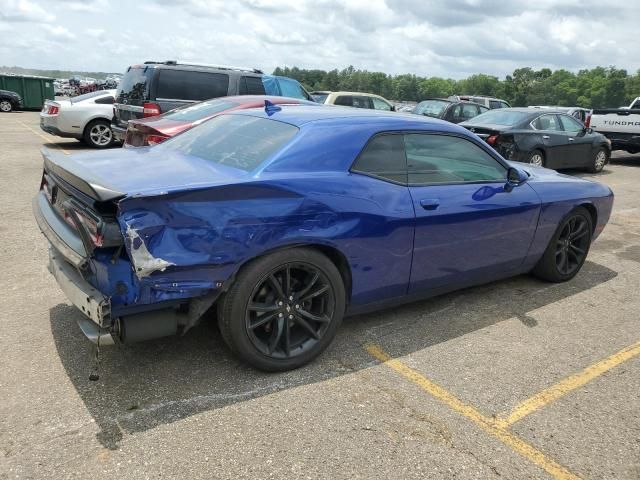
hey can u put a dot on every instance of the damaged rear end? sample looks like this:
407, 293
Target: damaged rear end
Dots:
103, 264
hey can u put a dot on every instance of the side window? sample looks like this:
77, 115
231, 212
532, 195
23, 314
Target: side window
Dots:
469, 111
437, 159
495, 104
570, 124
504, 105
547, 122
251, 86
362, 102
383, 157
344, 100
379, 104
456, 112
105, 100
482, 109
187, 85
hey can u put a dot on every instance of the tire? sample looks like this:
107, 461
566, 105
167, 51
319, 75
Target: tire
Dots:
599, 160
536, 158
98, 134
6, 106
565, 249
285, 340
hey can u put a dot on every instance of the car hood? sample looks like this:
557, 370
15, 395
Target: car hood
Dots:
113, 174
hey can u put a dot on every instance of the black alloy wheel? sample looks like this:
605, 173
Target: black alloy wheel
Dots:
289, 310
572, 245
283, 309
568, 248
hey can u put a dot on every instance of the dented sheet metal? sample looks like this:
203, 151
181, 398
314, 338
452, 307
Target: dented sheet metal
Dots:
144, 262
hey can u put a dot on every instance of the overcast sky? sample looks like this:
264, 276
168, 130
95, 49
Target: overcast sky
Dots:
450, 38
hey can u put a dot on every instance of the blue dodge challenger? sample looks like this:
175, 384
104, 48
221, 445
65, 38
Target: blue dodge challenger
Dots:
282, 220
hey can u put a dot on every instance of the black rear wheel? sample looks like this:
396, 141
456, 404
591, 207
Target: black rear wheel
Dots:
568, 248
536, 158
283, 310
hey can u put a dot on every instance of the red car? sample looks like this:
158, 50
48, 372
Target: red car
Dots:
153, 130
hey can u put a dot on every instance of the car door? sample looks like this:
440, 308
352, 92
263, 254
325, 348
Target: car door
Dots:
580, 144
553, 138
469, 229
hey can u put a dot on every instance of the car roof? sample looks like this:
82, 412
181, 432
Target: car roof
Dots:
356, 94
302, 115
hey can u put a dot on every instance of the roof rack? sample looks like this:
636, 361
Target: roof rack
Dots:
210, 65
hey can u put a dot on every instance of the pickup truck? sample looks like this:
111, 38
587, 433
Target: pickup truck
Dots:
620, 125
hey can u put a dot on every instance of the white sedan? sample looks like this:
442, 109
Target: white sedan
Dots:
85, 117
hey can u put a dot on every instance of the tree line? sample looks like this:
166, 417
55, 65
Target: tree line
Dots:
593, 88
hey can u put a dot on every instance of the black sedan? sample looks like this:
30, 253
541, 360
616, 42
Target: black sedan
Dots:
451, 111
546, 138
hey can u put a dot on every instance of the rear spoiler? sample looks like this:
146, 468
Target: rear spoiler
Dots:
79, 177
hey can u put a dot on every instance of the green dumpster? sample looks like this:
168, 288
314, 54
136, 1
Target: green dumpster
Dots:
33, 90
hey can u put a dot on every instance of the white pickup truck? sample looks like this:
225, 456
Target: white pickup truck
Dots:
620, 125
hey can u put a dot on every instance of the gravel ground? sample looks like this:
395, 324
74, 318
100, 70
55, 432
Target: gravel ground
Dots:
184, 407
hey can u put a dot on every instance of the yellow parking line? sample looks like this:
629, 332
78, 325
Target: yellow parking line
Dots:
46, 139
567, 385
485, 423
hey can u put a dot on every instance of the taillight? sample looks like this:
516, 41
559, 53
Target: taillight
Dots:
85, 222
492, 139
150, 109
155, 139
53, 110
91, 226
45, 187
587, 122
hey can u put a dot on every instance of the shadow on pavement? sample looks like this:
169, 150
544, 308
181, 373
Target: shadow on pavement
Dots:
145, 385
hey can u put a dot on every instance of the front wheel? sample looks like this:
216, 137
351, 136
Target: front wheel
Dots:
5, 106
98, 134
568, 248
283, 310
599, 161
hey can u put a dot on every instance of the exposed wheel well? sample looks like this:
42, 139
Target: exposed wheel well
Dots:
593, 212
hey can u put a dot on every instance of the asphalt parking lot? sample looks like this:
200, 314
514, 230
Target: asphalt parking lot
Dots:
517, 379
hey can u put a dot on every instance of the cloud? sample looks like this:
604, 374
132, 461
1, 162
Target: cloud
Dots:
59, 32
450, 38
24, 11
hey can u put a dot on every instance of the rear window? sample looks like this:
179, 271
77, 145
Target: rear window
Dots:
87, 96
187, 85
500, 117
291, 88
431, 108
193, 113
135, 84
238, 141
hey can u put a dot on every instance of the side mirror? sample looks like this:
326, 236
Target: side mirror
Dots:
588, 130
515, 178
393, 108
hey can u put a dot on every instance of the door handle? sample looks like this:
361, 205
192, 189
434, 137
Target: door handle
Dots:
571, 139
430, 203
546, 137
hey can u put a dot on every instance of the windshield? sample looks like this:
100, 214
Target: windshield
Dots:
87, 96
238, 141
193, 113
431, 108
319, 97
135, 84
507, 118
